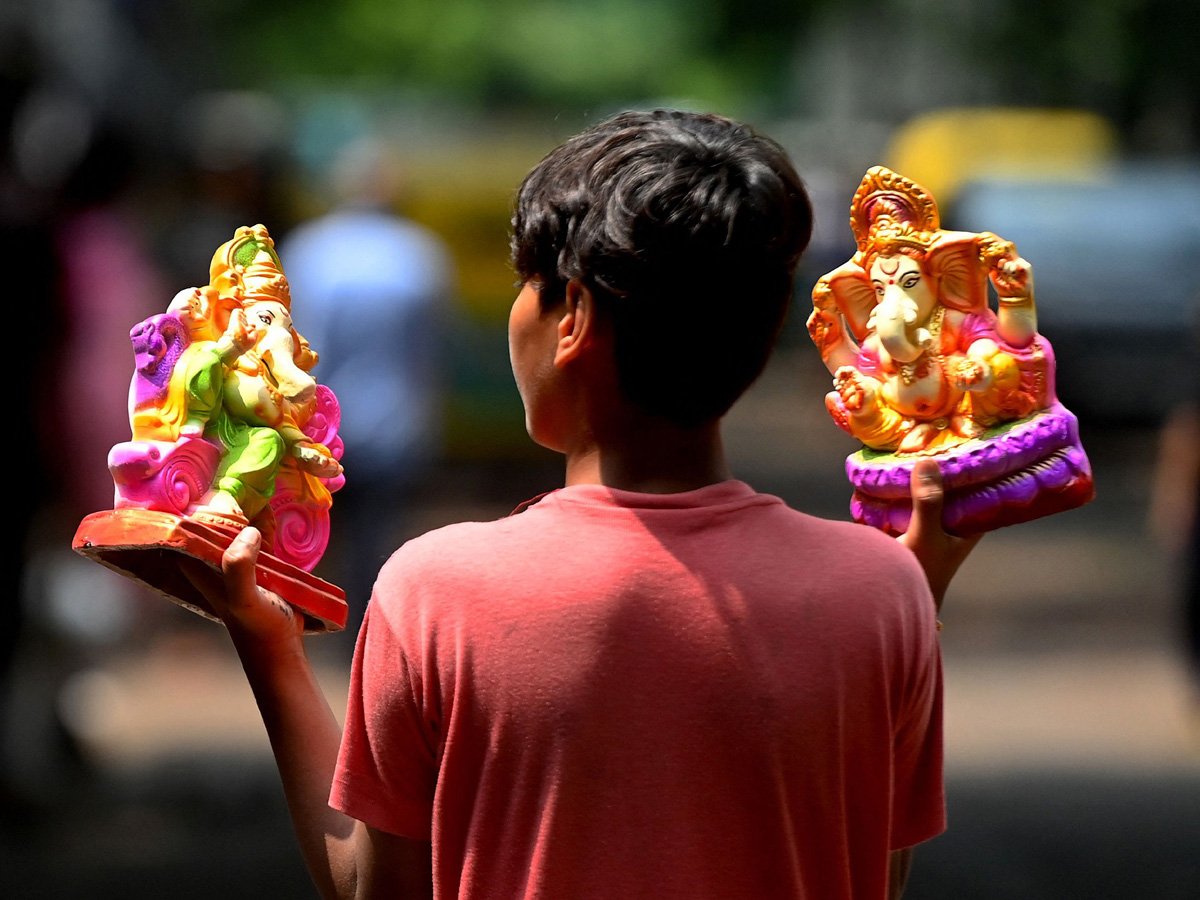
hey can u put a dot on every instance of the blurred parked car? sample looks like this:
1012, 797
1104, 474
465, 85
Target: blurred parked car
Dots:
1116, 263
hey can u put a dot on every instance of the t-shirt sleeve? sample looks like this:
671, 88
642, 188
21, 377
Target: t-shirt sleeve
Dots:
387, 765
918, 797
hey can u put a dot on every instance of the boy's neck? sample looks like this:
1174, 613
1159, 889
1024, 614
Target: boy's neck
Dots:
650, 456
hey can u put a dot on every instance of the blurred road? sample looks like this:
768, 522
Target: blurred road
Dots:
1073, 750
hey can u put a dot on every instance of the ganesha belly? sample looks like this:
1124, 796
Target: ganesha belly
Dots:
924, 367
229, 429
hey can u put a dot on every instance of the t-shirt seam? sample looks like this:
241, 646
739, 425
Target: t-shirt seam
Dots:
732, 505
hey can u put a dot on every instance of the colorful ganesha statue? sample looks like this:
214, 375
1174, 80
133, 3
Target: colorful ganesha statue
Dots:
228, 425
924, 367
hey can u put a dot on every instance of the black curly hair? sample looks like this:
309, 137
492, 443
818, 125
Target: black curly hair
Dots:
687, 229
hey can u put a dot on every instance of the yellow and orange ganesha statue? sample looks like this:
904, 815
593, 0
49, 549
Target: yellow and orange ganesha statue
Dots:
923, 366
229, 429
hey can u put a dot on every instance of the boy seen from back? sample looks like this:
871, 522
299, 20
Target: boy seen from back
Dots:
654, 681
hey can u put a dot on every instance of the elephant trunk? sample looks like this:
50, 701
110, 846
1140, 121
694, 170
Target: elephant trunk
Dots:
276, 351
898, 331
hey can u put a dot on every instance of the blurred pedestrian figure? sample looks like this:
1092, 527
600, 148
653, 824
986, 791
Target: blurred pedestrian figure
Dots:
109, 283
370, 289
81, 278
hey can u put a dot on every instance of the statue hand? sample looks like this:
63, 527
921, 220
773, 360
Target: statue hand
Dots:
1013, 278
940, 554
239, 337
316, 460
856, 392
971, 374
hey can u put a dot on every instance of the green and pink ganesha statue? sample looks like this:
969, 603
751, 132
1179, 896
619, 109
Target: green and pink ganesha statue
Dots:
228, 425
923, 366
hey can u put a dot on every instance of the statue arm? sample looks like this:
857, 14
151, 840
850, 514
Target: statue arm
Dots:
1012, 277
291, 434
237, 339
828, 330
204, 387
207, 363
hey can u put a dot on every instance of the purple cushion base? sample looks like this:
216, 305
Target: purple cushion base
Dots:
999, 452
1013, 474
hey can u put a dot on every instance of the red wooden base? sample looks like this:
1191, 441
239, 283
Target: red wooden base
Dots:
144, 545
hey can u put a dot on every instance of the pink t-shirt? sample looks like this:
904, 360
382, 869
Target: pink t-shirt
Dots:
622, 695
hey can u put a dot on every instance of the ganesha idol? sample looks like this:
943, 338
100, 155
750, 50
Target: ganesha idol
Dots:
924, 367
229, 429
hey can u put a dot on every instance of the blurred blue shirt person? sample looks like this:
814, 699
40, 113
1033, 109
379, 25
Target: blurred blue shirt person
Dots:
370, 290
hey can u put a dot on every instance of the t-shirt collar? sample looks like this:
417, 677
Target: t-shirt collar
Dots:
720, 494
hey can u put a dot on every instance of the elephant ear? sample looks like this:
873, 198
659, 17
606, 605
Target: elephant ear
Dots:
960, 277
854, 295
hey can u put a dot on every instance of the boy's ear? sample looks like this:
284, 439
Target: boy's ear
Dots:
577, 324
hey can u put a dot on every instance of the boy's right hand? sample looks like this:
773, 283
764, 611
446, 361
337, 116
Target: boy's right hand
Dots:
940, 554
249, 612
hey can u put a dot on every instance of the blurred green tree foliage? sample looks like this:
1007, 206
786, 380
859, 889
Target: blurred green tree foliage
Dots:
524, 52
1131, 60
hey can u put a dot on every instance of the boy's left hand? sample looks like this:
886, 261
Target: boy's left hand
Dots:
940, 554
251, 614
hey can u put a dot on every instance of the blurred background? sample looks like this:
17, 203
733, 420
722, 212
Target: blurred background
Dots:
381, 141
